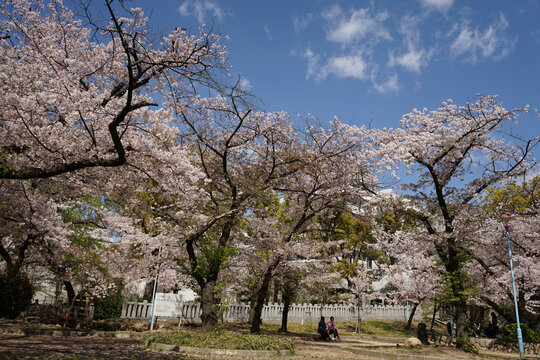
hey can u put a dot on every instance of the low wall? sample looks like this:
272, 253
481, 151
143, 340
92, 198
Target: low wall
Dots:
272, 312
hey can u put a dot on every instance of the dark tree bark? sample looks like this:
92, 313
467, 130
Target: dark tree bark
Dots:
411, 316
259, 303
288, 295
148, 290
208, 303
70, 291
435, 308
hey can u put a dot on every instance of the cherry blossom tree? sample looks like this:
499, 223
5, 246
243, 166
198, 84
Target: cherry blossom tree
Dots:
331, 171
79, 94
191, 202
457, 152
356, 259
30, 222
82, 96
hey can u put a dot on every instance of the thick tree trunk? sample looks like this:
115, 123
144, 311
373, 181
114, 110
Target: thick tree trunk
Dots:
70, 291
461, 325
252, 308
284, 316
287, 298
148, 290
435, 308
259, 303
411, 316
209, 314
456, 277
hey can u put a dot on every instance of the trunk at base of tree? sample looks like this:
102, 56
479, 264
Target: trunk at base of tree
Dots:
252, 309
411, 316
359, 320
435, 308
208, 314
461, 329
284, 316
259, 303
288, 293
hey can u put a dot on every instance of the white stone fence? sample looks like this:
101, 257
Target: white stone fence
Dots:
272, 312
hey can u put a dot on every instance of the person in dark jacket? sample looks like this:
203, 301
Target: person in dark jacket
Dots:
322, 330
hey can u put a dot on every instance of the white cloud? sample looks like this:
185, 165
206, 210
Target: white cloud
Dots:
348, 29
413, 60
390, 85
414, 57
267, 31
302, 22
490, 43
200, 9
313, 65
441, 5
346, 66
245, 85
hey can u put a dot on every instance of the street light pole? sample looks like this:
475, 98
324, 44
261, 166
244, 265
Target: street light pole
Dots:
152, 307
505, 220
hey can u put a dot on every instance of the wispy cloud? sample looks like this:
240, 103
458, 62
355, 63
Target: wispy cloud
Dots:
301, 22
201, 10
473, 44
440, 5
245, 85
390, 85
415, 56
347, 28
412, 60
267, 32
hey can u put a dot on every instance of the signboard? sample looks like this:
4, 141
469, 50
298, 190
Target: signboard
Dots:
168, 305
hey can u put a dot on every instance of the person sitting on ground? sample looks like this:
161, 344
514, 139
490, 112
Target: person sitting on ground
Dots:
322, 329
332, 328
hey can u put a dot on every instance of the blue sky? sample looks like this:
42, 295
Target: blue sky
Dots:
369, 62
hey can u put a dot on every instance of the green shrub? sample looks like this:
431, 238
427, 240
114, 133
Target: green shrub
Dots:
509, 333
221, 340
110, 307
15, 294
465, 345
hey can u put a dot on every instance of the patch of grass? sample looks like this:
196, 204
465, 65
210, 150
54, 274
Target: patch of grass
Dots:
221, 339
387, 328
298, 330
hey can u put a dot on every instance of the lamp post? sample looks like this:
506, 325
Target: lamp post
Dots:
151, 319
506, 220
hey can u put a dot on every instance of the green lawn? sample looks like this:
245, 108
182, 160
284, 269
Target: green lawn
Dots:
221, 339
386, 328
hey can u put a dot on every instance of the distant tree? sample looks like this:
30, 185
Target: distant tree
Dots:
327, 175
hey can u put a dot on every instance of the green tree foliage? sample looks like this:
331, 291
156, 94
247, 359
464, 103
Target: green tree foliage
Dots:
109, 307
514, 198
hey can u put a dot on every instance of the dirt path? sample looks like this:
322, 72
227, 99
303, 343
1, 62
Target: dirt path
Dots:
383, 348
48, 347
93, 348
